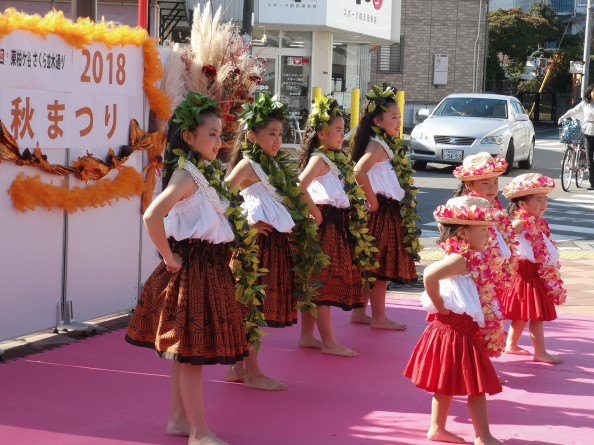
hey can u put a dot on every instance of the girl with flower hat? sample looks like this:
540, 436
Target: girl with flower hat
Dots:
384, 173
450, 358
289, 250
328, 180
187, 310
479, 176
537, 286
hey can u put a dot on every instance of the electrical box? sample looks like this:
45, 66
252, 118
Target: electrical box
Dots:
440, 69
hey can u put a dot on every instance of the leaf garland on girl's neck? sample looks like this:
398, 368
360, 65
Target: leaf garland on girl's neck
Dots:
482, 272
408, 204
363, 256
245, 264
307, 254
535, 231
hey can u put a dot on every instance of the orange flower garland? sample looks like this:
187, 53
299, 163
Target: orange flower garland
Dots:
28, 193
84, 32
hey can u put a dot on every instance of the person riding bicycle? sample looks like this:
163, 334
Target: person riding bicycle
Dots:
585, 111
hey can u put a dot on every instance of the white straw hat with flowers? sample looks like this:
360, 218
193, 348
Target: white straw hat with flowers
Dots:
480, 166
528, 184
467, 211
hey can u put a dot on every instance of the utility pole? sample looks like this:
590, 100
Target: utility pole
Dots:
587, 38
84, 9
247, 27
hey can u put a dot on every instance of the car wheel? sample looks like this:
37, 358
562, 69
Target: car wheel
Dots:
419, 165
509, 156
527, 164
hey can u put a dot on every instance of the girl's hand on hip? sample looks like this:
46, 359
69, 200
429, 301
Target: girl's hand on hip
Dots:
174, 265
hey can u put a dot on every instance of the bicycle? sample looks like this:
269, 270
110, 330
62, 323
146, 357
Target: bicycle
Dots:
574, 160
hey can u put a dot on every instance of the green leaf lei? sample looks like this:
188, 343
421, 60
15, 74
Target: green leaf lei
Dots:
404, 171
307, 254
363, 256
323, 109
188, 112
245, 265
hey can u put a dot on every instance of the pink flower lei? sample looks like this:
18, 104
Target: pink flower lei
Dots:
535, 230
483, 272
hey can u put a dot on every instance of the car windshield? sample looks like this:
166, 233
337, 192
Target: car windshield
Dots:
473, 107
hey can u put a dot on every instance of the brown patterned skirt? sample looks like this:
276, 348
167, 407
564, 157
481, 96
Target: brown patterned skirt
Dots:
341, 280
191, 316
274, 254
385, 224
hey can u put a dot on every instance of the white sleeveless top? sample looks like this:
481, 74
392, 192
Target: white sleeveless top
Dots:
383, 178
327, 188
262, 203
201, 215
505, 251
526, 252
460, 296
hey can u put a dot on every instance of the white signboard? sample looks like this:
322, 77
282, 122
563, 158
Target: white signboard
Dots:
366, 17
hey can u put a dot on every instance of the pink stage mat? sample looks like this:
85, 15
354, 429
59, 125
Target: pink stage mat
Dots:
104, 391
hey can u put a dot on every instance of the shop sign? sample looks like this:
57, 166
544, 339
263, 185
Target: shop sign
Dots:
292, 12
298, 61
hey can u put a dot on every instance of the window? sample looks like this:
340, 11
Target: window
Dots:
518, 108
390, 58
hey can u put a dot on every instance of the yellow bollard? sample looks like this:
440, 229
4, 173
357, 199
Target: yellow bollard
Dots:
355, 107
400, 101
317, 93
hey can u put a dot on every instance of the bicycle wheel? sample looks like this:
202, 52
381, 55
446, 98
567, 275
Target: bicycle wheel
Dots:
580, 167
567, 168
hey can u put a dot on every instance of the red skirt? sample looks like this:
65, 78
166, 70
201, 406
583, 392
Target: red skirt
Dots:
275, 254
191, 316
527, 297
385, 224
450, 360
341, 280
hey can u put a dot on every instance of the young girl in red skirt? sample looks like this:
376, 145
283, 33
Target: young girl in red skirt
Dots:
328, 181
479, 176
537, 286
450, 359
187, 310
383, 172
274, 206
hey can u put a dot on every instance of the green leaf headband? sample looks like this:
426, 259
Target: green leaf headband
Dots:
261, 110
380, 96
188, 112
323, 109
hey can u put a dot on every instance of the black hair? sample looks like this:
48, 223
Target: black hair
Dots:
175, 140
240, 136
514, 204
448, 231
460, 190
364, 130
588, 93
309, 143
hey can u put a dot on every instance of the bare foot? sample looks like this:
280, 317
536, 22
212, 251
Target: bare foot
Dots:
362, 318
547, 358
487, 440
309, 342
516, 350
387, 324
501, 379
340, 350
444, 436
207, 439
263, 382
178, 428
235, 373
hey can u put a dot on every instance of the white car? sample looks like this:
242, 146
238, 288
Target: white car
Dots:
466, 124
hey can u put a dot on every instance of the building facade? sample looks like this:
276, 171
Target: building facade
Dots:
441, 52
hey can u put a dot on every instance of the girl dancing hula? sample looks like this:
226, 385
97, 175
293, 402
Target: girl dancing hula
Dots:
537, 286
384, 174
328, 180
450, 358
187, 311
287, 238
